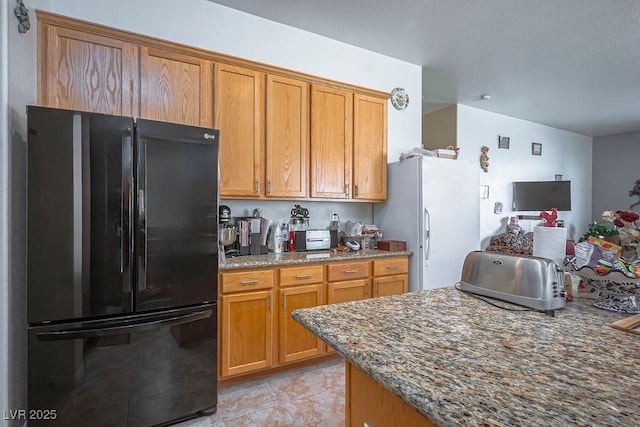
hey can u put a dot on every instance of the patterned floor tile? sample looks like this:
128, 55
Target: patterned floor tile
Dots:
325, 409
274, 416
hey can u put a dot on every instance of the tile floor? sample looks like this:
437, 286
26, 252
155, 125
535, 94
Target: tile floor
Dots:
311, 396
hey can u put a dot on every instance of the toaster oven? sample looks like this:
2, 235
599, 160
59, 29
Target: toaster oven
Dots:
530, 281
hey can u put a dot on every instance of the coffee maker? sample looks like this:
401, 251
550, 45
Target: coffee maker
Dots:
227, 235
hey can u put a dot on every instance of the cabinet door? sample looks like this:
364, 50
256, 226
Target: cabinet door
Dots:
82, 71
352, 290
296, 342
331, 142
175, 87
369, 148
247, 332
390, 285
287, 139
239, 114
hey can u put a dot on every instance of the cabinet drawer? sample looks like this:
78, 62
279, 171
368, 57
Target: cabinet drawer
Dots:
347, 271
301, 275
382, 267
246, 280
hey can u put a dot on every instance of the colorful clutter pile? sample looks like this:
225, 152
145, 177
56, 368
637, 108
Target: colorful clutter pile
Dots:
604, 249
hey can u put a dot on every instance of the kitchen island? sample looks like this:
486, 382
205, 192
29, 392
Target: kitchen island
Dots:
457, 361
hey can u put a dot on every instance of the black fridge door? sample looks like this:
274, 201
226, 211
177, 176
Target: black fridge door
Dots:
79, 216
140, 370
176, 215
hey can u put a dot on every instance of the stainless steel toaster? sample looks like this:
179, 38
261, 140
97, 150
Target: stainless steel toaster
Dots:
529, 281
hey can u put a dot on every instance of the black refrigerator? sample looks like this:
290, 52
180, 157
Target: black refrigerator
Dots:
121, 269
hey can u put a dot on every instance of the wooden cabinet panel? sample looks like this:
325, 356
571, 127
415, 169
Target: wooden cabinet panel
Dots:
331, 142
239, 114
369, 148
347, 270
387, 266
292, 276
296, 342
246, 342
287, 137
246, 280
390, 285
175, 88
368, 403
351, 290
82, 71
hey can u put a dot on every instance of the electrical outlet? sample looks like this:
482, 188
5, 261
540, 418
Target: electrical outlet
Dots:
334, 216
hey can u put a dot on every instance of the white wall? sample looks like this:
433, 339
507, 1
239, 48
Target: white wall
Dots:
199, 23
615, 171
5, 338
564, 153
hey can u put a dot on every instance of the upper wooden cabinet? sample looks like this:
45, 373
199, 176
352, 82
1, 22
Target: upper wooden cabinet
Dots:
287, 138
348, 145
369, 148
175, 87
87, 72
239, 114
331, 142
283, 134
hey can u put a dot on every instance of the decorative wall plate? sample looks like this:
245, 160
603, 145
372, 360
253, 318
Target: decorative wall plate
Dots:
399, 98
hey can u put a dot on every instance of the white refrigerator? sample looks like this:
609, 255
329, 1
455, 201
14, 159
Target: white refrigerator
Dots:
434, 205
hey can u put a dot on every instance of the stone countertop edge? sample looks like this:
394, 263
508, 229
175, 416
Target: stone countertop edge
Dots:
298, 258
459, 361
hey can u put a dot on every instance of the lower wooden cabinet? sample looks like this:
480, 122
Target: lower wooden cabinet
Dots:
390, 285
247, 332
390, 276
351, 290
296, 342
256, 329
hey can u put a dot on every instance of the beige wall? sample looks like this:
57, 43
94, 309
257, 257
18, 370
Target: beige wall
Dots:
439, 128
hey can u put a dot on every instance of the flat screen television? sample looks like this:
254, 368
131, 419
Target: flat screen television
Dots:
542, 195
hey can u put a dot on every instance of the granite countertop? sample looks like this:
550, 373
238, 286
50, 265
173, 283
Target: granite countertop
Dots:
297, 258
462, 362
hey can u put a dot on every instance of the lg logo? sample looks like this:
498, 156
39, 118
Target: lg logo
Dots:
209, 136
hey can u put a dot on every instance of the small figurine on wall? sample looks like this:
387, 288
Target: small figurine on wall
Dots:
635, 192
484, 159
549, 217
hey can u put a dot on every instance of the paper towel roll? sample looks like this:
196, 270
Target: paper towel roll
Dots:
550, 242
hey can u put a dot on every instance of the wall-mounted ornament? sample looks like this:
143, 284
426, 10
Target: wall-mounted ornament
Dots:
399, 98
635, 191
22, 13
536, 149
503, 142
484, 158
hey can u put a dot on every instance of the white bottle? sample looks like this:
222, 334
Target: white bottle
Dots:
277, 244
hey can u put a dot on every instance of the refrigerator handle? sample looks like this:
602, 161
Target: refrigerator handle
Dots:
142, 223
125, 328
126, 212
427, 235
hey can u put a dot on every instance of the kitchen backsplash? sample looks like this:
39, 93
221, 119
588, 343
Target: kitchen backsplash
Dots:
319, 212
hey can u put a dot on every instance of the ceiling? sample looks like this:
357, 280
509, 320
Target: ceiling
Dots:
569, 64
